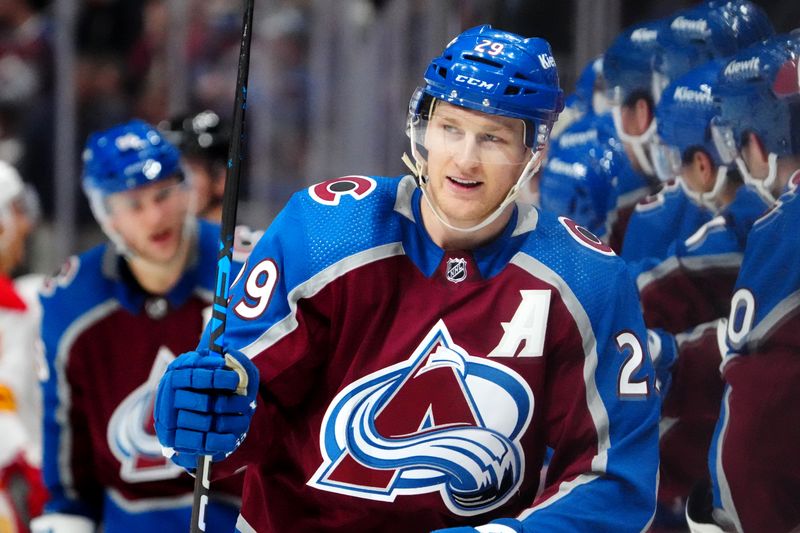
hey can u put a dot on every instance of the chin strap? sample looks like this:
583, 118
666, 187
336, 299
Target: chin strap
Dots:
638, 143
763, 187
418, 168
708, 199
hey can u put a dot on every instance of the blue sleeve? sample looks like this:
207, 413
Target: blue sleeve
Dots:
67, 452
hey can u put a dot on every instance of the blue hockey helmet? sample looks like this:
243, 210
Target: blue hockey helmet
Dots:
128, 156
628, 62
684, 116
579, 178
759, 92
685, 112
709, 31
496, 72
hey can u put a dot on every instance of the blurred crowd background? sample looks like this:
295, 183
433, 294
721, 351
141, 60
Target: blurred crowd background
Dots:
328, 93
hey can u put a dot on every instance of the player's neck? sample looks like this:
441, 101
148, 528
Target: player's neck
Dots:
449, 239
160, 277
787, 166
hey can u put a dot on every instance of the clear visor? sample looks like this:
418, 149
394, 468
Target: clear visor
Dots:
659, 82
136, 200
666, 160
614, 96
468, 137
724, 140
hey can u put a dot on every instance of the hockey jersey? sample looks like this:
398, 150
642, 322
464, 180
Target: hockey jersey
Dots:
659, 220
693, 284
753, 459
107, 343
408, 388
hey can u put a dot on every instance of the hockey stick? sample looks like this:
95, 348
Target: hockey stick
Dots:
229, 204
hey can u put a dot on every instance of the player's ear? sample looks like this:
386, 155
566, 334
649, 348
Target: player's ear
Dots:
755, 155
705, 169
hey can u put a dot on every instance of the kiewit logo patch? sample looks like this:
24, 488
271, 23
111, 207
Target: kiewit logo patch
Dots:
456, 270
692, 96
743, 69
643, 35
697, 27
441, 421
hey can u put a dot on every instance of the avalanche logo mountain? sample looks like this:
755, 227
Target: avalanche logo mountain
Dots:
441, 421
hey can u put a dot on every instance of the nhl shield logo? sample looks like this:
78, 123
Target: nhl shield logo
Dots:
456, 270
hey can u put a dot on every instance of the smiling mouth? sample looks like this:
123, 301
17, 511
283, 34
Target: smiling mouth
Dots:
464, 183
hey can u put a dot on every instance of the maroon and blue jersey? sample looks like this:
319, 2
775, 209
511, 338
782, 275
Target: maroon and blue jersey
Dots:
660, 219
753, 459
107, 343
408, 388
693, 284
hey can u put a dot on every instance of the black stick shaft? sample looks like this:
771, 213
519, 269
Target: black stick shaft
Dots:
230, 199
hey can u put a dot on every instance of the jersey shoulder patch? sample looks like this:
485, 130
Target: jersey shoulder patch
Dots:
330, 192
584, 237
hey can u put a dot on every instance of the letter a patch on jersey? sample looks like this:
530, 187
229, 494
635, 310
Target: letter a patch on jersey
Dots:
526, 328
440, 421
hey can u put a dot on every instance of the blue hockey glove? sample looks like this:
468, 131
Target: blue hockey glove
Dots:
664, 353
204, 405
503, 525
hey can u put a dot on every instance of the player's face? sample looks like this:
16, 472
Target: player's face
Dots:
13, 253
473, 161
150, 219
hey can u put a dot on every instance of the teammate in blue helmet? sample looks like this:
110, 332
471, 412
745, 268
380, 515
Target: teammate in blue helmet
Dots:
413, 346
627, 67
113, 319
755, 472
759, 123
578, 179
684, 147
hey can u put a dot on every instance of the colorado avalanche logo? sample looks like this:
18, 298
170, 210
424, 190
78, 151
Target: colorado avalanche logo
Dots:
440, 421
131, 433
331, 191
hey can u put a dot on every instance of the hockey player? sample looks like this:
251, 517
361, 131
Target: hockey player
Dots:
113, 319
203, 141
755, 469
627, 70
21, 490
695, 182
688, 291
413, 346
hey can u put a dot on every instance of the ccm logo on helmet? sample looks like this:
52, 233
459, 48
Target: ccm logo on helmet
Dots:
330, 192
475, 82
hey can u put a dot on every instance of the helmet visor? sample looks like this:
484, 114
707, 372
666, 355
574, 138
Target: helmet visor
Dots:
470, 137
724, 139
666, 160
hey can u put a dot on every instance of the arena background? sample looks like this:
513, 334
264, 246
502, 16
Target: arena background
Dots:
329, 82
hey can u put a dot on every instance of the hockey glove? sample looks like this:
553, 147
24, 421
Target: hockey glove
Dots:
503, 525
664, 353
204, 405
